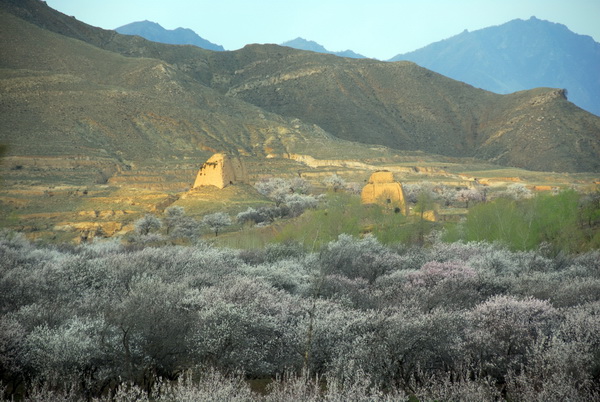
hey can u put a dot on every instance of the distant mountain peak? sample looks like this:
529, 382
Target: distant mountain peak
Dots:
519, 55
312, 46
305, 44
155, 32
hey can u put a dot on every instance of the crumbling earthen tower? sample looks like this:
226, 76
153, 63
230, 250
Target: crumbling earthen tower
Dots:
383, 189
220, 171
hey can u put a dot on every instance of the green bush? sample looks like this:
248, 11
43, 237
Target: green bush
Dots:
556, 220
344, 213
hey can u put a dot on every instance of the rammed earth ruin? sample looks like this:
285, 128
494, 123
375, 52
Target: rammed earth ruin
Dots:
383, 189
221, 171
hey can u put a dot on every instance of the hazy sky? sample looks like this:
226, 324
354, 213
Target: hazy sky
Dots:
375, 28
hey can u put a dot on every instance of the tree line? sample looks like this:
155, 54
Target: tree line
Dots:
355, 320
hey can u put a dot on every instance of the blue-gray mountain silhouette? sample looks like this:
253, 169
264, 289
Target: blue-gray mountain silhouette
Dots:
303, 44
519, 55
156, 33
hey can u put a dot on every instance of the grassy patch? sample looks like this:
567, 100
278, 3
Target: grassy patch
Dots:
231, 199
567, 222
339, 213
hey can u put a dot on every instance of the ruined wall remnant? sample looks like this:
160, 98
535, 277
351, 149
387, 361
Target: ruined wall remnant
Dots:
383, 189
220, 171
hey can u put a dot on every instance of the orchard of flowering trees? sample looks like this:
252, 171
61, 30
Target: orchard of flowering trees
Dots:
355, 320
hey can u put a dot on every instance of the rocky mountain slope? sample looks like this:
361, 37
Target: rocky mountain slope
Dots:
519, 55
404, 106
64, 97
71, 89
180, 36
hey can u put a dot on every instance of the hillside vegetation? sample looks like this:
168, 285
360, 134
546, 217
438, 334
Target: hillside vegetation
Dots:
470, 321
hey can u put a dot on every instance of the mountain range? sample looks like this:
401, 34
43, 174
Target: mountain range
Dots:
75, 92
519, 55
154, 32
514, 56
